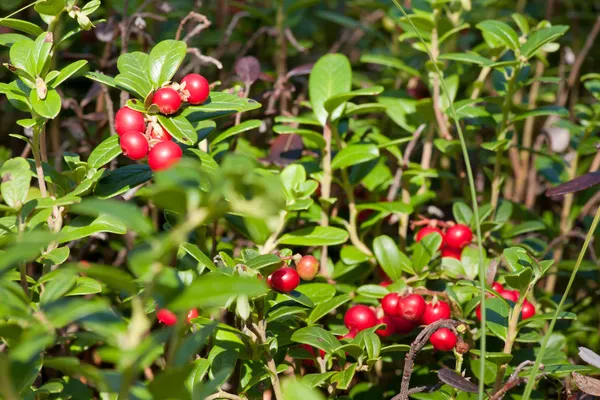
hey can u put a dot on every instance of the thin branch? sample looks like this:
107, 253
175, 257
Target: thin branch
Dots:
203, 23
204, 59
223, 395
395, 186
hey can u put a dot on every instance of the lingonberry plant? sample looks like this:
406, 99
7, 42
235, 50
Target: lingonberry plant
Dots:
299, 200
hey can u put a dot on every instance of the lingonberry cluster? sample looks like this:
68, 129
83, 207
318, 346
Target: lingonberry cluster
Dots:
169, 318
454, 239
527, 310
286, 279
141, 135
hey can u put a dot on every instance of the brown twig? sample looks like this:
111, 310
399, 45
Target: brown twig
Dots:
573, 234
514, 380
203, 23
395, 186
223, 395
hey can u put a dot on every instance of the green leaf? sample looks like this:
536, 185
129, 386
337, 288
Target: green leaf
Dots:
236, 130
299, 298
372, 291
315, 236
497, 312
105, 152
165, 59
16, 180
425, 249
314, 380
27, 249
263, 261
389, 61
470, 261
50, 7
127, 213
58, 286
136, 63
22, 26
134, 84
67, 310
337, 100
497, 33
180, 128
203, 260
8, 39
81, 227
310, 137
326, 307
39, 54
103, 79
122, 179
525, 227
539, 38
115, 278
519, 280
47, 108
517, 258
67, 72
390, 258
84, 286
387, 207
296, 390
344, 378
330, 75
472, 58
170, 383
354, 154
219, 104
462, 213
396, 348
547, 317
543, 111
317, 292
317, 337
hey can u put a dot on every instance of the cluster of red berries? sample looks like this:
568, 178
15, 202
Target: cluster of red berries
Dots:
286, 279
527, 310
454, 240
169, 318
141, 136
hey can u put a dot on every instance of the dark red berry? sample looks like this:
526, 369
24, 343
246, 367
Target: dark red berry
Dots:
458, 236
435, 312
528, 310
443, 339
497, 287
451, 252
198, 87
403, 326
163, 155
427, 231
191, 315
308, 268
134, 145
166, 317
389, 329
128, 120
411, 307
512, 295
167, 100
390, 304
360, 317
284, 279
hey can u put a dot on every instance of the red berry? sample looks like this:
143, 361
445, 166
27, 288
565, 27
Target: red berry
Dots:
478, 312
512, 295
307, 268
497, 287
435, 312
427, 231
191, 315
458, 236
528, 310
411, 307
308, 363
198, 87
284, 280
360, 317
443, 339
134, 145
349, 335
163, 155
403, 326
385, 283
451, 252
128, 120
390, 304
390, 327
167, 100
160, 135
166, 317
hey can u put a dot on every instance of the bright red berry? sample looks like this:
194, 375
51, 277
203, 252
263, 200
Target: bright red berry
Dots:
427, 231
308, 268
512, 295
411, 307
360, 317
390, 304
163, 155
349, 335
451, 252
497, 287
435, 312
198, 87
403, 326
166, 317
134, 145
128, 120
528, 310
385, 283
390, 327
284, 279
191, 315
458, 236
443, 339
478, 312
160, 135
167, 100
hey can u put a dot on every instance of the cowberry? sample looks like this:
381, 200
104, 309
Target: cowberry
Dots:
307, 268
166, 317
497, 287
191, 315
403, 326
390, 304
160, 135
167, 100
389, 329
349, 335
443, 339
411, 307
134, 145
528, 310
359, 318
128, 120
385, 283
451, 252
435, 312
163, 155
284, 279
458, 236
427, 231
512, 295
478, 312
198, 88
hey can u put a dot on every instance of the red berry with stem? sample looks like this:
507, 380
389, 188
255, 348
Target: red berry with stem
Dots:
198, 88
411, 307
497, 287
134, 145
128, 120
428, 230
443, 339
163, 155
389, 329
307, 267
390, 304
360, 317
451, 252
284, 280
167, 100
512, 295
191, 315
403, 326
435, 312
166, 317
528, 310
458, 236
